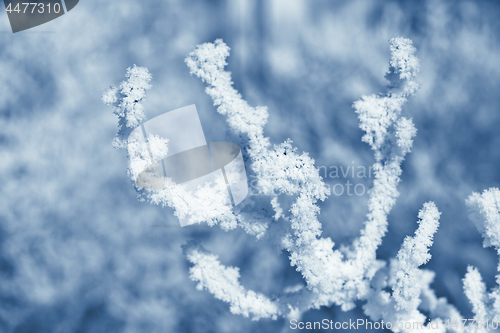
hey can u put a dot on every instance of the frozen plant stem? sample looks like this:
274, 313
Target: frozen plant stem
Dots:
396, 290
485, 214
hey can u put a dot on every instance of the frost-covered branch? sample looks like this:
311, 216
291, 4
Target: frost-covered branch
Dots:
475, 290
484, 211
414, 253
395, 291
390, 136
223, 283
282, 170
411, 292
126, 100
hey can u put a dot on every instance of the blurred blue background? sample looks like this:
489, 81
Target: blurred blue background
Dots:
79, 253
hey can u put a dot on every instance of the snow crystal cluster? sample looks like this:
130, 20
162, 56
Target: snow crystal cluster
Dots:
396, 290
